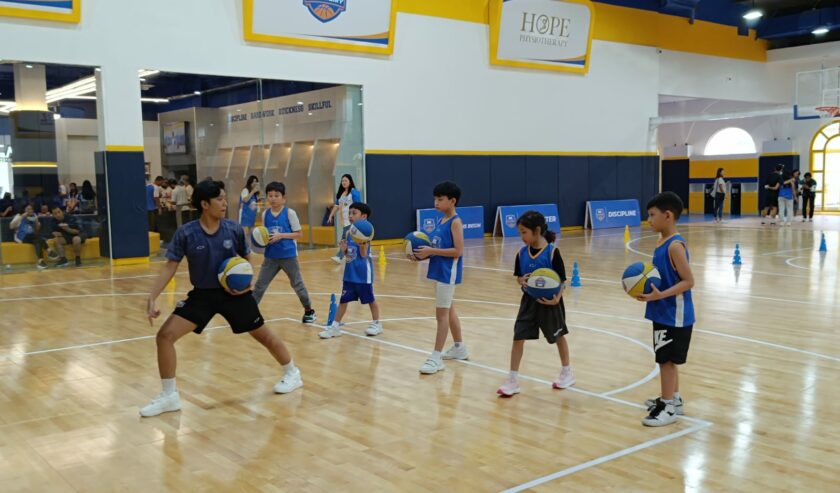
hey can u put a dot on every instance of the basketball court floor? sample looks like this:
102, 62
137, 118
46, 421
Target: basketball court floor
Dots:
77, 360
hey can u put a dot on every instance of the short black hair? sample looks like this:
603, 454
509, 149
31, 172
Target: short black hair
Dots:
808, 173
205, 191
276, 186
780, 167
449, 190
158, 178
361, 207
667, 201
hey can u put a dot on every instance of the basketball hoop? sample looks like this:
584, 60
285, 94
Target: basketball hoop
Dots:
829, 111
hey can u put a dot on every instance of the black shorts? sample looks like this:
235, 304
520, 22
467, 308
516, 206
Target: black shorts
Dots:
671, 343
201, 305
353, 291
771, 200
534, 317
68, 238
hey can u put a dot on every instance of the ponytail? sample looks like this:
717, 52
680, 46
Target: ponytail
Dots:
533, 220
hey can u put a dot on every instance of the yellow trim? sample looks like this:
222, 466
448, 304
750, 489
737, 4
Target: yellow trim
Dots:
495, 14
749, 203
778, 154
129, 261
571, 228
124, 148
250, 35
25, 13
459, 10
34, 164
823, 151
740, 168
676, 158
506, 153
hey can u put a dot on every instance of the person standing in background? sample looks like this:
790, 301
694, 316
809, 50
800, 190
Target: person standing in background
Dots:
720, 195
809, 197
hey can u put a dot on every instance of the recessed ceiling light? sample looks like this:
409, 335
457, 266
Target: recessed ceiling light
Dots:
310, 113
276, 124
56, 116
238, 111
142, 80
300, 102
753, 15
97, 69
212, 124
28, 66
197, 93
820, 31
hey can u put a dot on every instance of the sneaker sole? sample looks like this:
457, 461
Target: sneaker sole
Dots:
504, 394
554, 385
372, 334
158, 414
450, 358
330, 336
281, 392
657, 424
432, 372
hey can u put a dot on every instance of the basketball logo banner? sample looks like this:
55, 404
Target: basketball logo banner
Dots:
507, 216
351, 25
541, 34
472, 217
612, 214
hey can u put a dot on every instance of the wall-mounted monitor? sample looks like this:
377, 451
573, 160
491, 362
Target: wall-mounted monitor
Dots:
175, 138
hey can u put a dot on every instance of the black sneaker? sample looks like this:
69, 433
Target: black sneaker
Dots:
62, 262
52, 255
661, 415
41, 265
309, 316
678, 405
78, 261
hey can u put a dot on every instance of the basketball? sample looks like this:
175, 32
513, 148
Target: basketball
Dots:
543, 283
235, 274
639, 277
260, 236
415, 240
361, 231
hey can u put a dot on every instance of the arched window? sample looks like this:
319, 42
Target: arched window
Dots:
732, 140
825, 166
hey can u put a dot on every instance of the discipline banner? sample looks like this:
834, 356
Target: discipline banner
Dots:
472, 217
45, 10
351, 25
541, 34
507, 215
612, 214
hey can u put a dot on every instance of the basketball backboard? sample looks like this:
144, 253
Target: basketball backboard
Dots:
816, 89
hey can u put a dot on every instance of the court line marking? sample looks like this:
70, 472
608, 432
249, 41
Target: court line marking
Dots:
785, 251
790, 260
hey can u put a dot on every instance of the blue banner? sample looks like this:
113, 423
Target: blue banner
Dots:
507, 215
472, 217
613, 214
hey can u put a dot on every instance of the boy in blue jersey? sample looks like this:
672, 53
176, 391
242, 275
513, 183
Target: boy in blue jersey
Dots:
670, 308
206, 243
358, 278
281, 253
445, 268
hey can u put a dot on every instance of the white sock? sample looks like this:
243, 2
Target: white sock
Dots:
289, 367
514, 374
376, 322
668, 401
436, 355
168, 385
459, 345
336, 324
567, 368
676, 396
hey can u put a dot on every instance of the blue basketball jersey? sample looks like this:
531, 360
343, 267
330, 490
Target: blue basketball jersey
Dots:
446, 270
279, 224
528, 264
674, 311
248, 211
358, 269
24, 229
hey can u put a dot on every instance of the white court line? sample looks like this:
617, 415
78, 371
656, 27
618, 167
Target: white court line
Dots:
790, 263
768, 254
606, 458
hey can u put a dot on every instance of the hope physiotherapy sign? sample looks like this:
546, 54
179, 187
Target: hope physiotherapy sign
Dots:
612, 214
351, 25
541, 34
472, 217
507, 215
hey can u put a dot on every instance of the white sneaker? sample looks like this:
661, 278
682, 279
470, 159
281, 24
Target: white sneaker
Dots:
432, 366
337, 259
678, 405
163, 403
290, 381
374, 329
661, 415
509, 388
332, 331
457, 353
565, 380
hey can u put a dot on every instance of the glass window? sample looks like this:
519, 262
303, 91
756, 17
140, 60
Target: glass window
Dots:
732, 140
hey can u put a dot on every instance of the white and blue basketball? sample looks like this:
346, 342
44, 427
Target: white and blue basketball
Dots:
543, 283
235, 274
361, 231
260, 236
415, 240
639, 277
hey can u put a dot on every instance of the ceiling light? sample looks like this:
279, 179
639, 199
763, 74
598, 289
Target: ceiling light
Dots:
142, 79
197, 93
820, 31
300, 102
28, 66
56, 116
238, 111
310, 113
276, 124
753, 14
97, 69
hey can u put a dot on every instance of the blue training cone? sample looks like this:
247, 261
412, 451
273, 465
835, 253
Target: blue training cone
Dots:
736, 260
822, 244
576, 276
333, 308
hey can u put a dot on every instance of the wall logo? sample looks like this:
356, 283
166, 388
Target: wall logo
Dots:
326, 10
601, 214
428, 225
510, 220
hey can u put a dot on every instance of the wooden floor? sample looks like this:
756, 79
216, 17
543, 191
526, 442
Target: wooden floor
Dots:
77, 360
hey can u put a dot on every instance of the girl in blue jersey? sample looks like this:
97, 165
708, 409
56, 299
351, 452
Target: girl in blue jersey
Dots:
281, 253
248, 205
670, 307
534, 314
358, 278
445, 268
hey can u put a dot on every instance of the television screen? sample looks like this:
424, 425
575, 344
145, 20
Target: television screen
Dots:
175, 138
